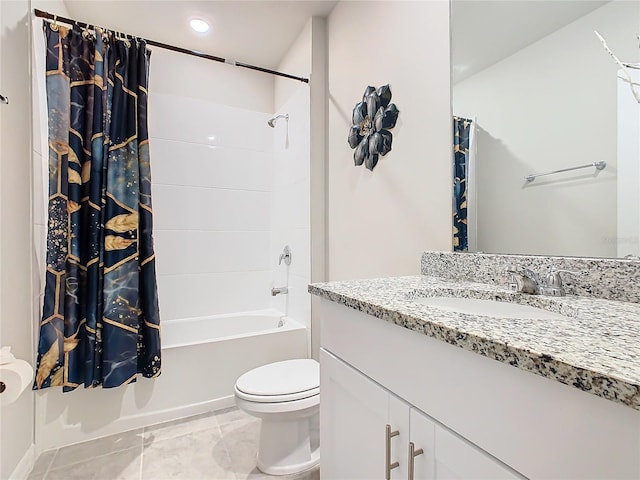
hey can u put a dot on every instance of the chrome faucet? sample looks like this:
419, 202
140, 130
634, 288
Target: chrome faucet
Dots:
523, 280
285, 255
527, 281
553, 283
278, 290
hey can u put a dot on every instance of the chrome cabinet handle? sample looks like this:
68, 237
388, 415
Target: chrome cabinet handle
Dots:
387, 444
413, 453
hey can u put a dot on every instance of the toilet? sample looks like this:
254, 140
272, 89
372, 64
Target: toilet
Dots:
286, 397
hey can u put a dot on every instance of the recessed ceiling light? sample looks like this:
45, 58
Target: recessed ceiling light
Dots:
199, 25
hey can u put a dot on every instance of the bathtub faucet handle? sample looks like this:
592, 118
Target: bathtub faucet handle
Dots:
285, 255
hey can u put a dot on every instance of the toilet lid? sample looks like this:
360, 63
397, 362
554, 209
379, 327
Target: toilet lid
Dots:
281, 378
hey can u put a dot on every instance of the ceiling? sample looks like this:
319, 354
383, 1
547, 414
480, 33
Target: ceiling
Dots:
486, 31
254, 32
260, 32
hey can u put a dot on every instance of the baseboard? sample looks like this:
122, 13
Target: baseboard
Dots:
73, 434
25, 465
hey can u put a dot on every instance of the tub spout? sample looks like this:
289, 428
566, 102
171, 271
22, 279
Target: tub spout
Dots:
277, 290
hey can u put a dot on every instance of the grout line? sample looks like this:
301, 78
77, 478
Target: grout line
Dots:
209, 145
141, 452
209, 187
222, 230
46, 471
117, 450
216, 273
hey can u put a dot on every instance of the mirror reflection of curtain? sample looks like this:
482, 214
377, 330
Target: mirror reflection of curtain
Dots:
461, 134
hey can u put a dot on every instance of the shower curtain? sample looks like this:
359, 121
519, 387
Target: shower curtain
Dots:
100, 318
461, 132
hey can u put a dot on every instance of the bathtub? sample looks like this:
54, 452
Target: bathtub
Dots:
201, 359
197, 330
203, 356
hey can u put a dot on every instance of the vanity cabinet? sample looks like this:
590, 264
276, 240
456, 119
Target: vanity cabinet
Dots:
367, 433
474, 417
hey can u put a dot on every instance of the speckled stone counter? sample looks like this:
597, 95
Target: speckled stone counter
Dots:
611, 278
596, 349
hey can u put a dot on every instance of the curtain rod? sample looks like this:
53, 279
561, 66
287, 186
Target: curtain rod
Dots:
195, 53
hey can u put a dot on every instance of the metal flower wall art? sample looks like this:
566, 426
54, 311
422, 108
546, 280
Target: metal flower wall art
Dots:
372, 119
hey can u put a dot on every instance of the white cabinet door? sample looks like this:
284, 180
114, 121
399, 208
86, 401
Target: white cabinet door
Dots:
447, 456
423, 436
354, 412
458, 459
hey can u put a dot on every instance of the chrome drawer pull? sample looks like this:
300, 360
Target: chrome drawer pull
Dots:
413, 453
388, 465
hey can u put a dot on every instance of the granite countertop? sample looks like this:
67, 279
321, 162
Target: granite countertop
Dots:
596, 349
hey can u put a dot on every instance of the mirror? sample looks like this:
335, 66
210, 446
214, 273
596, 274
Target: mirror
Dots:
541, 94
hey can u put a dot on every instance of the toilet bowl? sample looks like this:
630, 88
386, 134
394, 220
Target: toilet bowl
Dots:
286, 397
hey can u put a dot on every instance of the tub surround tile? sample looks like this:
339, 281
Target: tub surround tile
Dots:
597, 350
609, 278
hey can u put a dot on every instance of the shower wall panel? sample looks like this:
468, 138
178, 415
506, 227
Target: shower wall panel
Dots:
211, 191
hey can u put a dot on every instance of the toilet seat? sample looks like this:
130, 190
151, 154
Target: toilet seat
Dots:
278, 382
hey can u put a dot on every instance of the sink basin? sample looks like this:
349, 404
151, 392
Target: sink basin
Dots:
489, 308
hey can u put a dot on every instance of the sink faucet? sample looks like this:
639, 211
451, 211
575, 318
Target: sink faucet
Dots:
527, 281
523, 280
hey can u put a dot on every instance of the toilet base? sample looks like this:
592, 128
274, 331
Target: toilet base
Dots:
285, 447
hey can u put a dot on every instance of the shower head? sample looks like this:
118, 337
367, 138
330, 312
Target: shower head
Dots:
272, 121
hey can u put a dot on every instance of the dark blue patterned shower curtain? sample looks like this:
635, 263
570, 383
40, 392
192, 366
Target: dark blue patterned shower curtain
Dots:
461, 131
100, 322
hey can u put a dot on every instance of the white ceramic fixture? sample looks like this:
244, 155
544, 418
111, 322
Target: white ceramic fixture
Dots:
490, 308
286, 397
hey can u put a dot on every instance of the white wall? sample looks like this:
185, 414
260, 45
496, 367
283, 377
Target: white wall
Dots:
16, 299
551, 105
379, 222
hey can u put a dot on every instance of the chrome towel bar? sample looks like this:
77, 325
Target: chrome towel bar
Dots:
599, 166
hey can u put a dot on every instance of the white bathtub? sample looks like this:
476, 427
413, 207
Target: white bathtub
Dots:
196, 330
201, 359
203, 356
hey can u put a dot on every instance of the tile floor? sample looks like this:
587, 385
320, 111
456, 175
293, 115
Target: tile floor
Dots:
217, 446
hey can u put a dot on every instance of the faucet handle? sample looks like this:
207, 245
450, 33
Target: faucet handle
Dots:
553, 285
285, 255
554, 275
523, 280
513, 284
